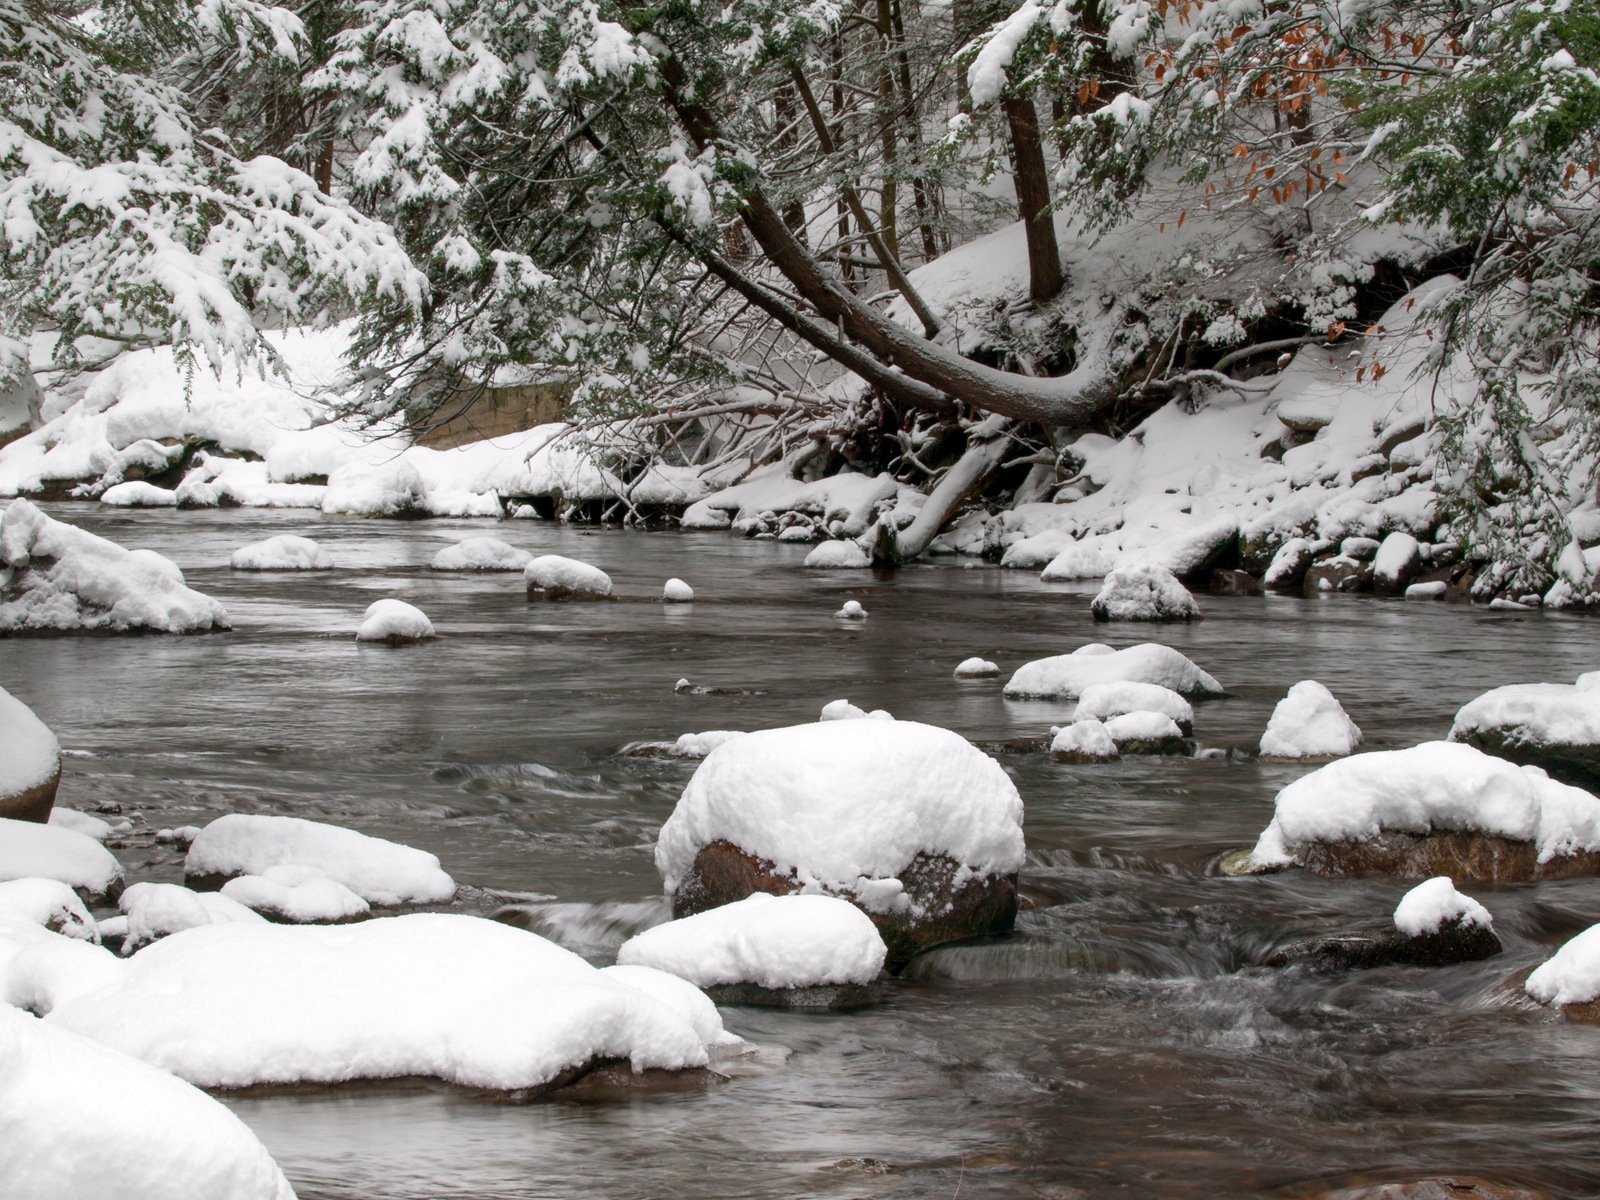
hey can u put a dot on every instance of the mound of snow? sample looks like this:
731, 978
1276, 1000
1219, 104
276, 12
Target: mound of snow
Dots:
1142, 727
138, 494
852, 611
1309, 723
32, 754
380, 872
975, 668
558, 576
87, 823
1106, 700
842, 555
1068, 675
1143, 593
463, 999
681, 996
29, 850
390, 488
48, 903
677, 592
391, 620
299, 895
848, 804
57, 576
1572, 974
156, 910
1084, 741
771, 941
1434, 786
285, 552
80, 1120
481, 554
1430, 905
843, 710
1540, 714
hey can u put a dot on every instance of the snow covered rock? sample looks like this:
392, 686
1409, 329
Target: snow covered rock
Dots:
912, 823
843, 710
285, 552
677, 592
852, 611
380, 872
1103, 701
30, 768
80, 1120
683, 998
1340, 573
1396, 563
481, 554
395, 622
1147, 733
1143, 593
1434, 589
157, 910
1434, 926
1069, 675
1433, 904
1440, 808
838, 556
295, 895
1551, 725
1570, 978
801, 951
464, 999
30, 850
1289, 563
975, 668
1309, 723
1084, 741
57, 577
393, 488
87, 823
138, 494
552, 577
50, 904
688, 745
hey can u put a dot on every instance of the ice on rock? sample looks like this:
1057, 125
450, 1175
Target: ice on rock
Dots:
843, 555
80, 1120
1309, 723
1143, 593
394, 621
285, 552
1069, 675
1103, 701
772, 941
55, 576
299, 895
975, 668
1533, 714
1432, 904
50, 904
463, 999
380, 872
28, 850
843, 710
677, 592
1572, 974
87, 823
1084, 741
481, 554
32, 756
138, 494
555, 578
156, 910
682, 997
1434, 786
1142, 727
852, 611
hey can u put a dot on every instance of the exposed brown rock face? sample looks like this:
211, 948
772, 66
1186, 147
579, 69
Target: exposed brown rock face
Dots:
1578, 765
1465, 857
940, 910
32, 804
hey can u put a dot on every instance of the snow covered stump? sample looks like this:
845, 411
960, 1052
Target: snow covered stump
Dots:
1143, 593
1434, 926
30, 769
1555, 726
913, 824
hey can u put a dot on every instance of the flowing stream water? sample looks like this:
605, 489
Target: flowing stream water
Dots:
1125, 1040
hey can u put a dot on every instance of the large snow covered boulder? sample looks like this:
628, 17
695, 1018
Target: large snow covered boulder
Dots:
380, 872
1396, 563
464, 999
1143, 593
1104, 701
1309, 723
1069, 675
1440, 808
285, 552
395, 623
30, 767
795, 951
912, 823
1551, 725
480, 554
552, 577
81, 1120
55, 577
30, 850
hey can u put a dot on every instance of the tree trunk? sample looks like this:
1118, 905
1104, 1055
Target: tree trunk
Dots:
1033, 198
970, 472
324, 175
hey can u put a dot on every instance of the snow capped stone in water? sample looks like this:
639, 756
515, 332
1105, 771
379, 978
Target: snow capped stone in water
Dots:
155, 910
31, 763
771, 941
1143, 593
843, 710
838, 555
391, 620
1142, 727
1537, 714
480, 554
29, 850
296, 894
677, 592
852, 611
48, 903
80, 1120
1069, 675
975, 668
138, 494
1106, 700
56, 576
1084, 741
1309, 723
1434, 786
1572, 974
556, 578
379, 871
698, 745
386, 489
1398, 559
285, 552
1427, 907
464, 999
682, 997
1434, 589
845, 804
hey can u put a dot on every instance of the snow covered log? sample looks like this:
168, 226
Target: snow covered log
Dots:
1066, 676
57, 578
29, 850
913, 824
30, 769
1551, 725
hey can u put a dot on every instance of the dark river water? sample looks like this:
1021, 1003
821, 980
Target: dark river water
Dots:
1122, 1042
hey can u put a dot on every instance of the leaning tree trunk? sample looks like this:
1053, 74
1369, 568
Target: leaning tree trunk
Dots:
968, 476
1033, 198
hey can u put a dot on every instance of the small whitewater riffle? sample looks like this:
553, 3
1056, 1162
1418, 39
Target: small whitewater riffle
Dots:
1137, 1032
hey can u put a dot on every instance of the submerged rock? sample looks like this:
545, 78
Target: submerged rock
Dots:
30, 769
